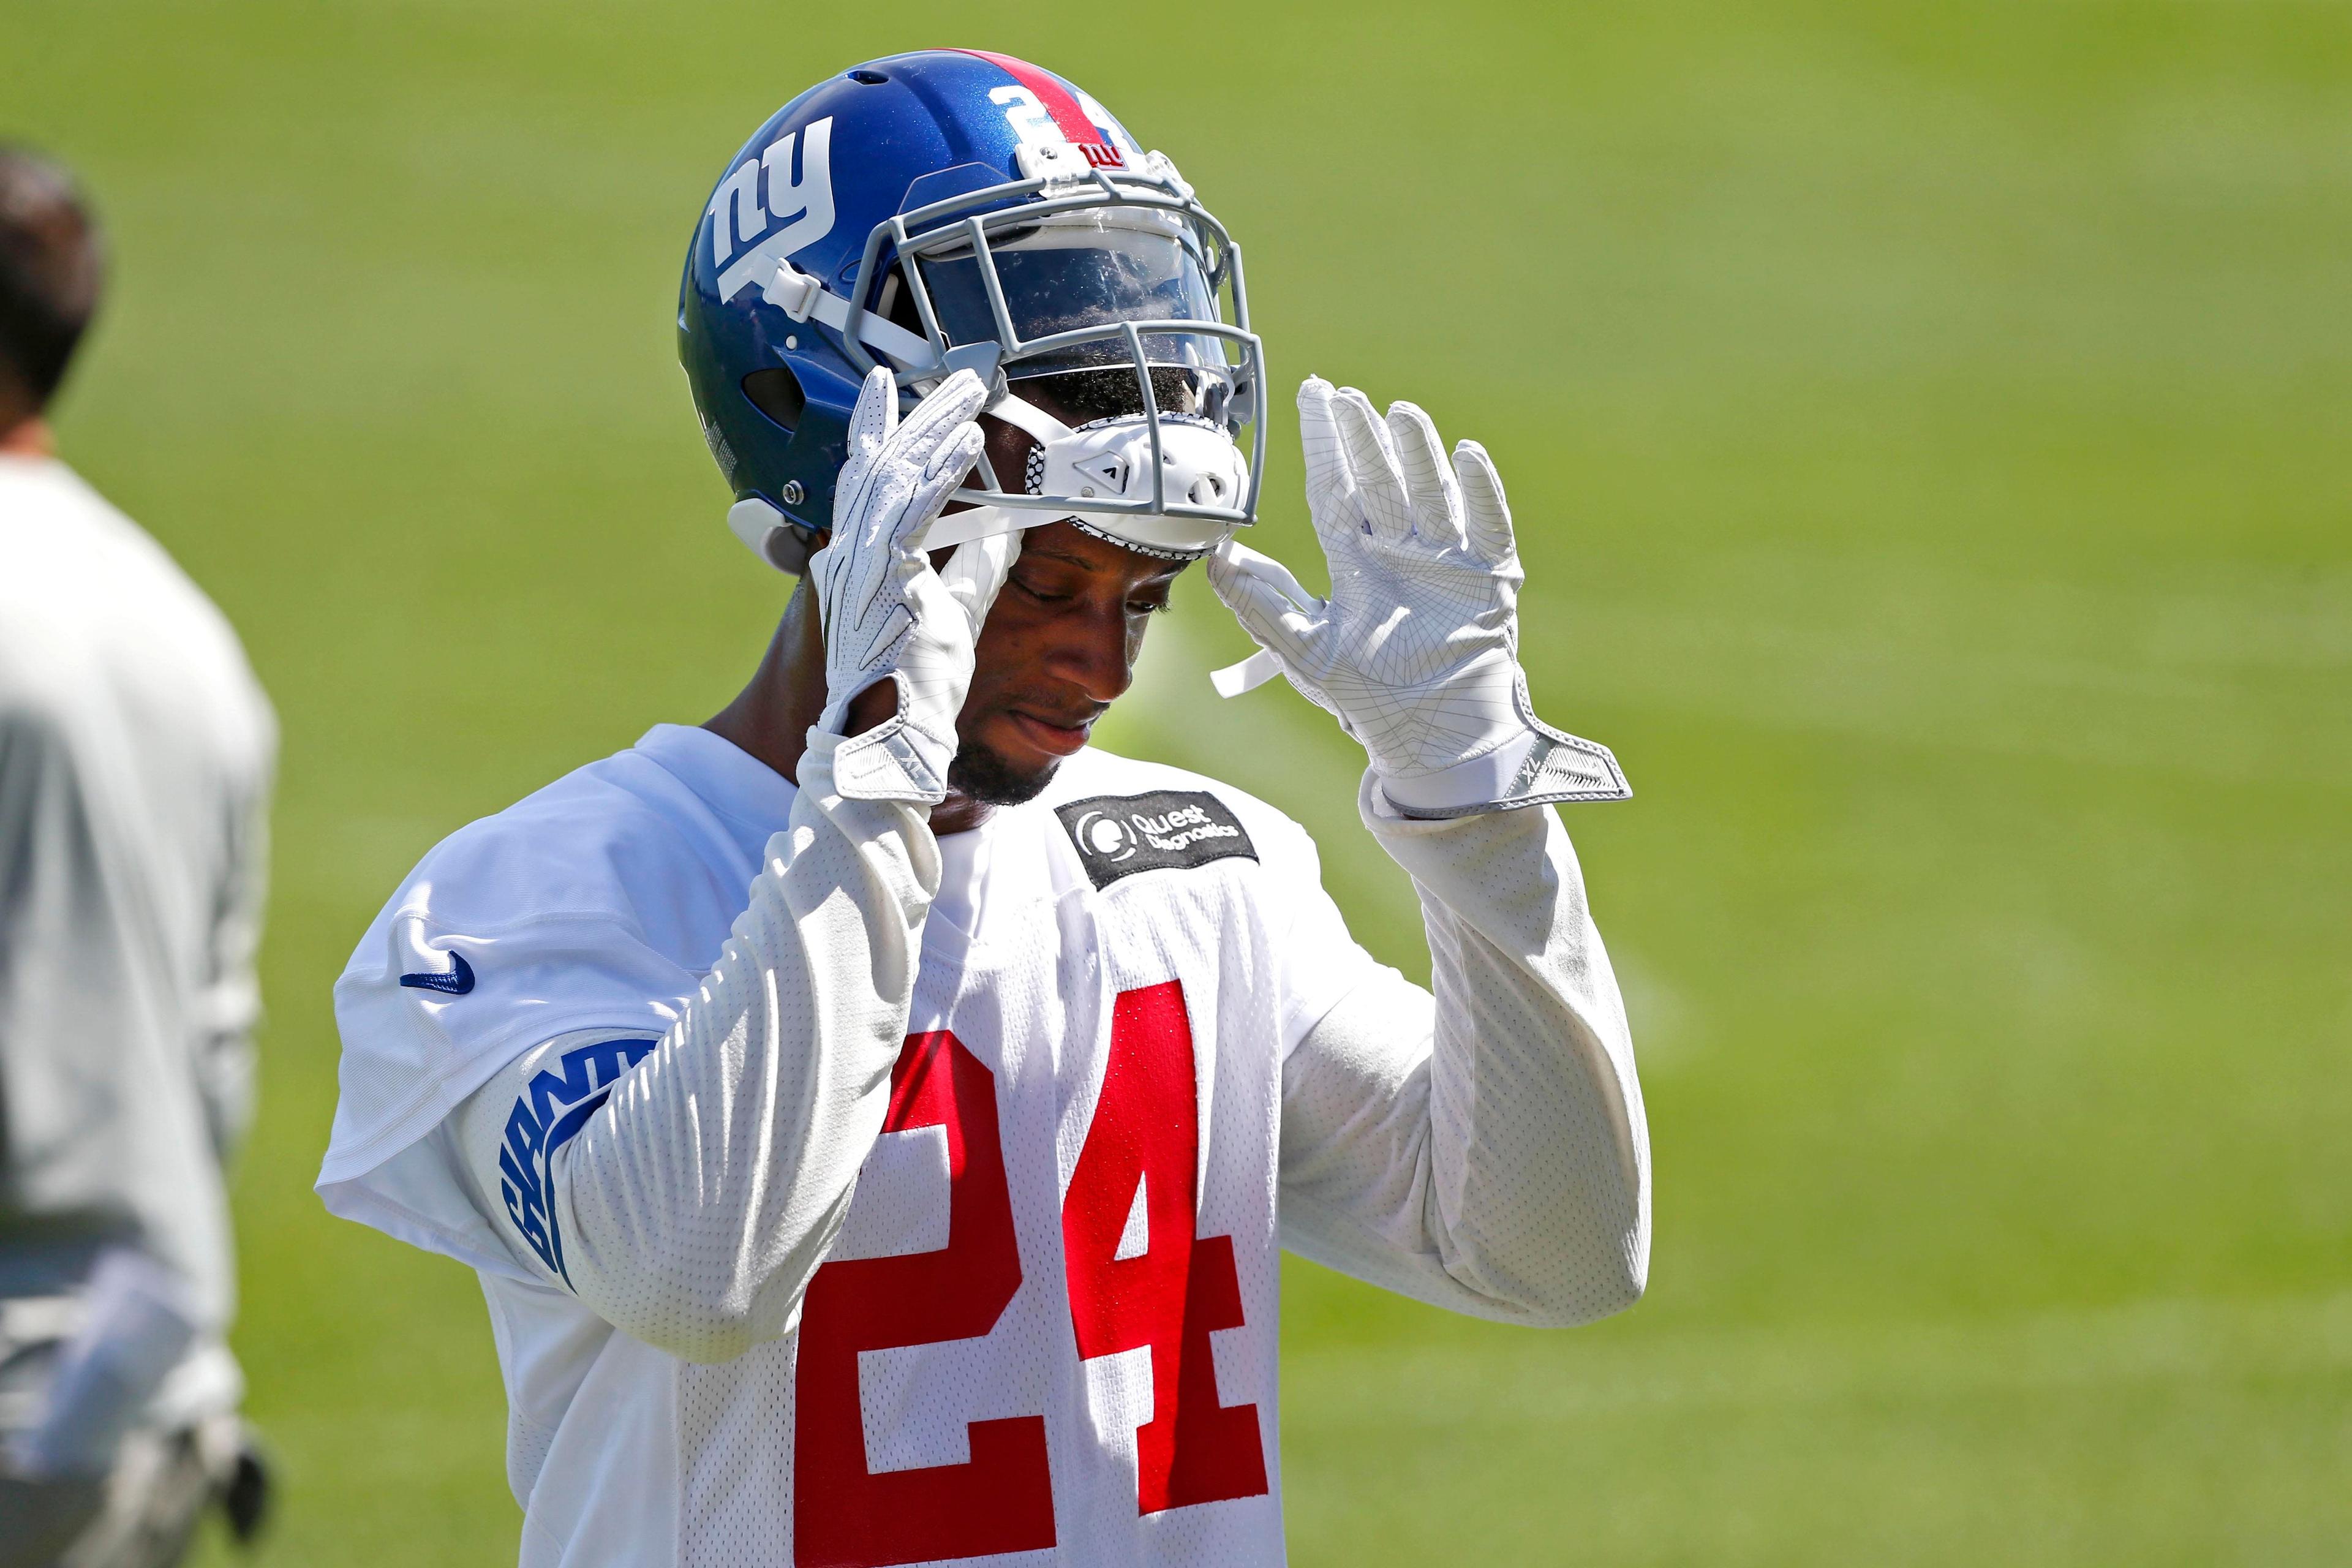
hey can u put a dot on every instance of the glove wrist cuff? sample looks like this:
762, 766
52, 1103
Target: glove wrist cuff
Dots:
1538, 766
897, 760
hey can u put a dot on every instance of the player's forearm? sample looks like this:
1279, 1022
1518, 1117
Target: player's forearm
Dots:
1538, 1190
229, 1000
225, 1072
697, 1204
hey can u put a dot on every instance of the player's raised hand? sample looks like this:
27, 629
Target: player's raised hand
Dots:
1416, 651
888, 616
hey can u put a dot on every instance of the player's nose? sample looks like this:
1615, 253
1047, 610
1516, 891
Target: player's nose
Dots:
1090, 650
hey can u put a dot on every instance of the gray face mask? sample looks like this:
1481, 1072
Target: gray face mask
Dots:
1071, 269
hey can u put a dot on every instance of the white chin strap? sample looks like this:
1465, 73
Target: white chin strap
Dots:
988, 522
1111, 460
1024, 415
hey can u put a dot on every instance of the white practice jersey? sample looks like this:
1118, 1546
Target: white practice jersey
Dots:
136, 751
992, 1271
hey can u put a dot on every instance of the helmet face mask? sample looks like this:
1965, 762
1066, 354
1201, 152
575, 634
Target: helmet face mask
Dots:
1043, 258
1043, 277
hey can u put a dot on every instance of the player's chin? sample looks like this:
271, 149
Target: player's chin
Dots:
982, 772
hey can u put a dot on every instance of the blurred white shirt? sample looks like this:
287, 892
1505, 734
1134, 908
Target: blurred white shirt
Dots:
136, 753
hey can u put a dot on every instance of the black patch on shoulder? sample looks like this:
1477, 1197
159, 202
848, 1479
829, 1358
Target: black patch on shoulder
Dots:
1169, 829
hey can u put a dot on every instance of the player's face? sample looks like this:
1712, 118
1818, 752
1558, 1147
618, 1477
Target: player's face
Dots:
1057, 648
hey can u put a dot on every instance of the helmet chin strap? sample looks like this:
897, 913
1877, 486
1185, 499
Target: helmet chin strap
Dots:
988, 522
1027, 417
1127, 465
765, 529
979, 522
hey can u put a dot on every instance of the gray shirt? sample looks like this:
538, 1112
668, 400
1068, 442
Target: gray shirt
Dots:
136, 751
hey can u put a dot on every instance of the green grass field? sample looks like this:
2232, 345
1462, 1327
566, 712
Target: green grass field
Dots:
1931, 435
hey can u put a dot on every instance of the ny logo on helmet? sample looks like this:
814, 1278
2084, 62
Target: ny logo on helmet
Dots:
802, 198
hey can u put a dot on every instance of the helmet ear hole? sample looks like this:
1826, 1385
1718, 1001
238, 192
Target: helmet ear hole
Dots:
787, 550
777, 394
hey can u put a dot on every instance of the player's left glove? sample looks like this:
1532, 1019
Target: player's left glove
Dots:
1416, 651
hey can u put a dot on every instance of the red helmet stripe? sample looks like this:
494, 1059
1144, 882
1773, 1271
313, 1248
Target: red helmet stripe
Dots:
1068, 117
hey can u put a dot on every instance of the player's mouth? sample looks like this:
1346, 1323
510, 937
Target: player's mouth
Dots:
1054, 739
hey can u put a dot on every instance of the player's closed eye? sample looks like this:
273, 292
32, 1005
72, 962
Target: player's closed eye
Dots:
1043, 591
1048, 593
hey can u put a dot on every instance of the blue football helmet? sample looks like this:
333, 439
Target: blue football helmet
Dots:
953, 209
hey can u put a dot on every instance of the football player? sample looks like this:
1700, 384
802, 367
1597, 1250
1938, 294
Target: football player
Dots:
136, 750
922, 1204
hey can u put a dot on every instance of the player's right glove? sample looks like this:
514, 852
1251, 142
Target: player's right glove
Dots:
887, 614
1416, 652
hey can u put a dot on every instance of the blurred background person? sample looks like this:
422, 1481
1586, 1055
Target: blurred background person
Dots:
136, 753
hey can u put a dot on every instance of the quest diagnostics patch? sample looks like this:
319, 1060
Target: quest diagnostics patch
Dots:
1169, 829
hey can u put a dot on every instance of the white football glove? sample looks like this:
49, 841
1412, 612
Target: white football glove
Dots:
1416, 651
887, 614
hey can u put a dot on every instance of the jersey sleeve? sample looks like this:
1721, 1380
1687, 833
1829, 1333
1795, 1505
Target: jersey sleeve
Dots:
503, 1142
685, 1188
1485, 1148
1318, 959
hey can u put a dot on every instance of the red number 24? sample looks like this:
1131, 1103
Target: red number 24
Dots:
1170, 1295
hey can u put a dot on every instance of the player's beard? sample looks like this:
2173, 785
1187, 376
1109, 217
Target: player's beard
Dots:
980, 774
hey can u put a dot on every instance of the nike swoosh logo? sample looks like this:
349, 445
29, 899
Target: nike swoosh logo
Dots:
456, 982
